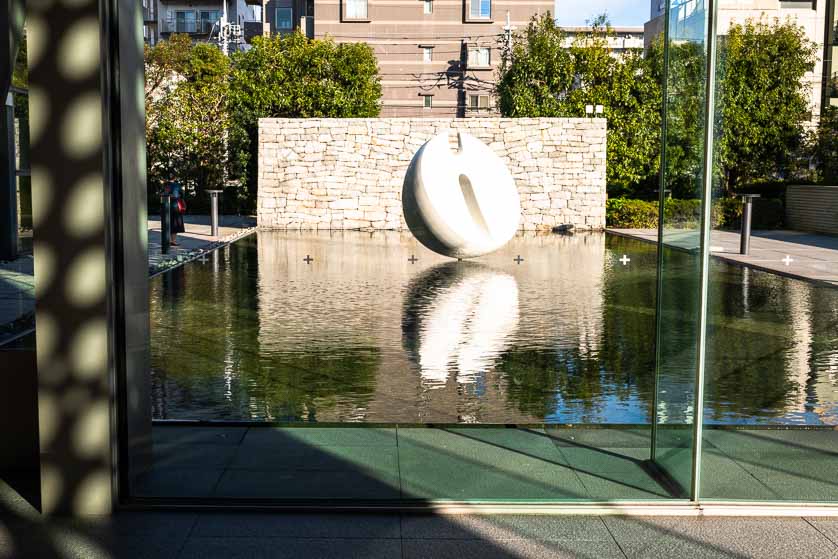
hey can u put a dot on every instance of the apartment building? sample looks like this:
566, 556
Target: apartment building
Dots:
150, 32
201, 19
436, 57
817, 17
622, 40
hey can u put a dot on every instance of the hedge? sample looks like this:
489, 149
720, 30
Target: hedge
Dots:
625, 213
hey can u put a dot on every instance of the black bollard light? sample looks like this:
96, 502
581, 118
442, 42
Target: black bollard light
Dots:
747, 210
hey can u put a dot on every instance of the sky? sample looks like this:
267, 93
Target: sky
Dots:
620, 12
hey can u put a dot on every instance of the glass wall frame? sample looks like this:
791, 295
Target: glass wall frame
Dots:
678, 443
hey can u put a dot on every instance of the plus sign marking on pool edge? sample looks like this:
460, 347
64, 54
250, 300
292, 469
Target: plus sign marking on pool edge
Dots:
518, 259
412, 259
308, 259
787, 260
625, 260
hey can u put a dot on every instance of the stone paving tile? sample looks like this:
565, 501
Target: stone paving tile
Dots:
193, 482
298, 525
441, 464
504, 527
282, 548
284, 437
828, 526
298, 484
720, 537
183, 435
517, 549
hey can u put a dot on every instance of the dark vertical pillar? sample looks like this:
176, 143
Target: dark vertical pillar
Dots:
88, 163
130, 238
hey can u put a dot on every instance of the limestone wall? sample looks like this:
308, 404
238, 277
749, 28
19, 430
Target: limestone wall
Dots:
347, 173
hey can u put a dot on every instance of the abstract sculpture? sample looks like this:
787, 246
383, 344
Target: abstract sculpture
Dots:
460, 203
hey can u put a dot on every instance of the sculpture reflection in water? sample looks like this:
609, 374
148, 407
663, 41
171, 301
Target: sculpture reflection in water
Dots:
458, 319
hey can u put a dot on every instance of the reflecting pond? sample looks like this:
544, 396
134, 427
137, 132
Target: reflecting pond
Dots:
372, 327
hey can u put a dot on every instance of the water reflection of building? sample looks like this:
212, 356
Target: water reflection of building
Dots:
354, 292
818, 20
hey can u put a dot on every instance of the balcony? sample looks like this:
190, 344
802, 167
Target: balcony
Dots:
203, 27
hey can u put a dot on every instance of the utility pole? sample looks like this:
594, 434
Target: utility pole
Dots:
224, 30
507, 29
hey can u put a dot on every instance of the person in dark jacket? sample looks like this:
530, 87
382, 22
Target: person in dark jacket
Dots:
178, 208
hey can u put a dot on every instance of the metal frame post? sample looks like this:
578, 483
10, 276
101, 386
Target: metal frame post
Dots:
8, 184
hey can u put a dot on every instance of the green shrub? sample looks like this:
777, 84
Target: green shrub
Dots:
624, 213
631, 214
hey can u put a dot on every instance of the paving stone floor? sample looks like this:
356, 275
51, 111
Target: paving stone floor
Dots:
207, 535
790, 253
198, 235
17, 293
483, 464
459, 463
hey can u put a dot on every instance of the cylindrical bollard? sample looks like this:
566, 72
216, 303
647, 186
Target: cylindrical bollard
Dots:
214, 211
165, 222
745, 235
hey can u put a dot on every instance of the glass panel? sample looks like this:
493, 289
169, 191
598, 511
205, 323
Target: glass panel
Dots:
185, 22
679, 258
284, 19
208, 19
336, 357
480, 9
771, 406
18, 397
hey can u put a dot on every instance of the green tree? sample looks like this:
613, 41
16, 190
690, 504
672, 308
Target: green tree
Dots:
684, 112
763, 100
292, 76
187, 118
545, 78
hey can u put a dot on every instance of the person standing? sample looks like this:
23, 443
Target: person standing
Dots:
178, 208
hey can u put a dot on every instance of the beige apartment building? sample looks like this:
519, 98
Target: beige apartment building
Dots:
817, 17
436, 57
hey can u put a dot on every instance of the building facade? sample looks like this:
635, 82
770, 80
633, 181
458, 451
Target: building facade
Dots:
150, 32
817, 17
622, 40
201, 20
436, 57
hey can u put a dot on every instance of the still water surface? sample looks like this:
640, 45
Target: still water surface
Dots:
563, 335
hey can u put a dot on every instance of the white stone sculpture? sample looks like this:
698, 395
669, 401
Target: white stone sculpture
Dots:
461, 203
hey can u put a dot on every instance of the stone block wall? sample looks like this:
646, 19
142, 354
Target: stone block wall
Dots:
348, 173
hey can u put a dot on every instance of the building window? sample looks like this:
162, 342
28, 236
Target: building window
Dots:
284, 19
798, 4
427, 101
478, 102
479, 56
356, 9
208, 18
480, 9
185, 21
427, 54
428, 6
